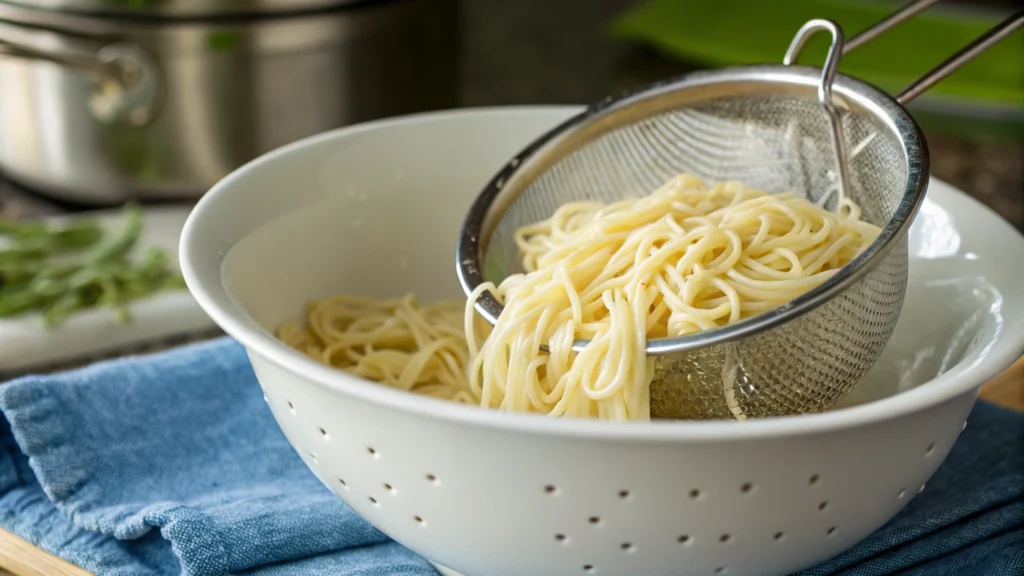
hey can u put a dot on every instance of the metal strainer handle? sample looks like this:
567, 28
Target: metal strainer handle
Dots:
828, 76
980, 44
840, 46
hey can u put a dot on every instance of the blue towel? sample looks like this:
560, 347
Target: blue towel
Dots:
172, 464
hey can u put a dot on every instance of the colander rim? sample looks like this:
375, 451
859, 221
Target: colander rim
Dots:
865, 95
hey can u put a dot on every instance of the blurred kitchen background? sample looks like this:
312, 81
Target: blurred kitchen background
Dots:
105, 100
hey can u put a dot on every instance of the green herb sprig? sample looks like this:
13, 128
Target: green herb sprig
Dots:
58, 270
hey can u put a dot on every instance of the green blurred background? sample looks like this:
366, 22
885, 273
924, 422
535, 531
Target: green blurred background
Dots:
985, 98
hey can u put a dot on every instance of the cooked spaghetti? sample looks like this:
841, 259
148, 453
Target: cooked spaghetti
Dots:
684, 259
398, 342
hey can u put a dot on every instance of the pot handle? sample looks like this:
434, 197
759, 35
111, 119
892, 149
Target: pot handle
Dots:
128, 81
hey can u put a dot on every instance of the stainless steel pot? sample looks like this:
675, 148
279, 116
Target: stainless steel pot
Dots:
101, 109
182, 8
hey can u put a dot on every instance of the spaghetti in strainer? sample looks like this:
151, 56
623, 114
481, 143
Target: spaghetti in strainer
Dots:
812, 132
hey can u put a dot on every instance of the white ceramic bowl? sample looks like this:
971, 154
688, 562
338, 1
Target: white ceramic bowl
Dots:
375, 210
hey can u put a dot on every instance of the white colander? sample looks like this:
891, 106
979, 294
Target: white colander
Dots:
375, 210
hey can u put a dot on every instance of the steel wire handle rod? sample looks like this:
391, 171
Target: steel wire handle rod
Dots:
980, 44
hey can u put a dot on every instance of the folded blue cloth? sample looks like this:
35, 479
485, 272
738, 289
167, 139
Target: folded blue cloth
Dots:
172, 464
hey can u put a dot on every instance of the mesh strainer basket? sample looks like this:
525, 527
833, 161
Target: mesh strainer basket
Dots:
778, 128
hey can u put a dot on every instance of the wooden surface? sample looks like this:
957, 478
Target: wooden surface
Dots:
1008, 388
19, 558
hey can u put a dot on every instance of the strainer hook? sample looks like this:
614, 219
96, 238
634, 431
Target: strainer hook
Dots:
828, 76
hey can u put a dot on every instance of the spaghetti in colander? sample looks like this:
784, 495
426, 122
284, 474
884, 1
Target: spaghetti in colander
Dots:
684, 259
396, 342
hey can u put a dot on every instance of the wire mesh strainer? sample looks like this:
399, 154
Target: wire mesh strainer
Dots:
778, 128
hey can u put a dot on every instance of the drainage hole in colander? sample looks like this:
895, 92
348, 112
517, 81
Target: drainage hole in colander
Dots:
373, 501
628, 547
372, 452
419, 520
814, 479
291, 407
901, 495
551, 489
720, 570
324, 434
343, 483
588, 568
561, 538
389, 487
928, 451
747, 488
696, 494
624, 494
596, 521
780, 536
823, 506
685, 539
964, 427
724, 538
831, 531
921, 489
313, 456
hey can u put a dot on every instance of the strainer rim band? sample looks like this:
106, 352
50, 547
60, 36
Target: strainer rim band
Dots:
867, 96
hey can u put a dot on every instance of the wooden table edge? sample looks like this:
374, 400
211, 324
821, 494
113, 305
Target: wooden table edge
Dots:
18, 557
